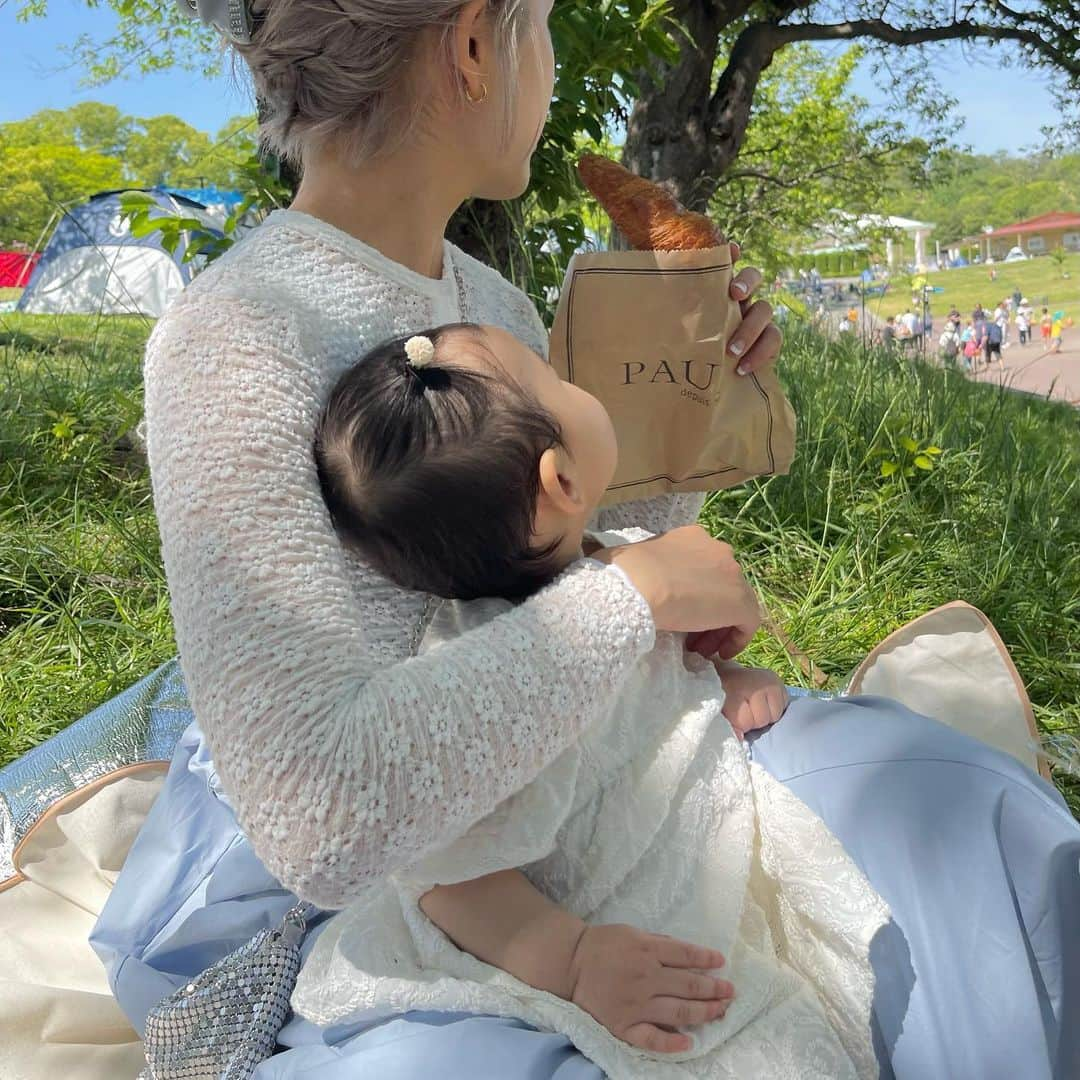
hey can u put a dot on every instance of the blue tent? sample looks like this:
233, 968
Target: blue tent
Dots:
210, 196
92, 264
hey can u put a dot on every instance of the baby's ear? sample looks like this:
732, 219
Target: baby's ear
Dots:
559, 486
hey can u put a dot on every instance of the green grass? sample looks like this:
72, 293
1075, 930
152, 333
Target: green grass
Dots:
83, 603
1038, 279
840, 557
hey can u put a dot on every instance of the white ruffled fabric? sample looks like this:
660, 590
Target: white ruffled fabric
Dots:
655, 817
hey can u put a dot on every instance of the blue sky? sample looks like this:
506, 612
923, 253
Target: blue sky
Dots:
998, 110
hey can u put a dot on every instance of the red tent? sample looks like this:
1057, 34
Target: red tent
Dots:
16, 268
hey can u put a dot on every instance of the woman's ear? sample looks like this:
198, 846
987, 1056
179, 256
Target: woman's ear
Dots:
560, 488
468, 36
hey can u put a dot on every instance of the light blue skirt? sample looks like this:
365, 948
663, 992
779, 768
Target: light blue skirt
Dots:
978, 977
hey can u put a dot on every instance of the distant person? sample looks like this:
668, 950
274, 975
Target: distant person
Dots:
1057, 329
1017, 298
853, 316
978, 313
1001, 318
1022, 325
1046, 324
911, 323
887, 335
992, 342
970, 342
949, 345
980, 322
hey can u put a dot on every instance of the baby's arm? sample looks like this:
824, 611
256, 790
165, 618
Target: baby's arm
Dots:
505, 921
633, 982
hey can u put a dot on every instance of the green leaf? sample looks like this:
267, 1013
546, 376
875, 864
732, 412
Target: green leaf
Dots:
144, 226
133, 200
64, 428
923, 462
888, 468
935, 450
909, 444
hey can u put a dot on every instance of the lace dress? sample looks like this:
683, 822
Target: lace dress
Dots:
654, 817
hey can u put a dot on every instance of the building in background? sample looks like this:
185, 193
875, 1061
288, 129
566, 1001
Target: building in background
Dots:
1034, 236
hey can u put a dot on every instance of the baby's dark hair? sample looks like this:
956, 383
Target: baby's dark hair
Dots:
432, 473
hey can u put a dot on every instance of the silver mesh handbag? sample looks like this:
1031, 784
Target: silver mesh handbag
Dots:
224, 1022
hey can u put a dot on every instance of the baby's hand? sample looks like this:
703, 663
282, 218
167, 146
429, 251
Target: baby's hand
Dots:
636, 985
753, 697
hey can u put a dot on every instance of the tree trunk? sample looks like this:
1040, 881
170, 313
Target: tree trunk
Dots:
680, 133
667, 139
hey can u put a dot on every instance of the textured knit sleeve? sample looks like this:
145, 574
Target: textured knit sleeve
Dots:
657, 514
343, 764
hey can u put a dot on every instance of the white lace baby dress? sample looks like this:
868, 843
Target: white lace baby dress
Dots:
655, 817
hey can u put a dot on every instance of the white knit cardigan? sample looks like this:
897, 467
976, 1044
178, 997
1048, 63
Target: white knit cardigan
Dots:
346, 755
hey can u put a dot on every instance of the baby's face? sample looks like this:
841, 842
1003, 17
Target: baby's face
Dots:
587, 428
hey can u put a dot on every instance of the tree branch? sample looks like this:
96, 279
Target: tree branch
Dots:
879, 30
821, 170
728, 111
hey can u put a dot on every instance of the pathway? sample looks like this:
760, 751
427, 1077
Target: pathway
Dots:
1031, 369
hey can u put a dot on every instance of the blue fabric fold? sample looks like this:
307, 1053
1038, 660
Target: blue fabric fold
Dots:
977, 856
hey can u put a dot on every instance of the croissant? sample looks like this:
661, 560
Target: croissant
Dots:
651, 218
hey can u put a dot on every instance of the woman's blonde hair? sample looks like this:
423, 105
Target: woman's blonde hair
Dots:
345, 72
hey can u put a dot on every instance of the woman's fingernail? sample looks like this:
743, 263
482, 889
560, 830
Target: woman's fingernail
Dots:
742, 369
736, 348
739, 288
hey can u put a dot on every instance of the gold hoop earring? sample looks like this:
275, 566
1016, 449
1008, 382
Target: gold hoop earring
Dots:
481, 99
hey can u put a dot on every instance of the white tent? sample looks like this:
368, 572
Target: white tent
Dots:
93, 265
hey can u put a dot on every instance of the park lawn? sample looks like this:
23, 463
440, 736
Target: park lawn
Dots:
1038, 279
840, 556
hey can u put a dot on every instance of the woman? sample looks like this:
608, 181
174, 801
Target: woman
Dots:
328, 732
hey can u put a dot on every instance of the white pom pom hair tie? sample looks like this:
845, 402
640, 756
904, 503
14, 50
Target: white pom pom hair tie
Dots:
420, 350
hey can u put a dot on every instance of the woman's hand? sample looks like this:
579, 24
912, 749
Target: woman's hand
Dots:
756, 341
637, 985
753, 697
691, 582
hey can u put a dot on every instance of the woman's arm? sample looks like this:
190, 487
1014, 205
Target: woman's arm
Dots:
343, 760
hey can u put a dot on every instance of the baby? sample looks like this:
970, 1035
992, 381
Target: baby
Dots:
458, 463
